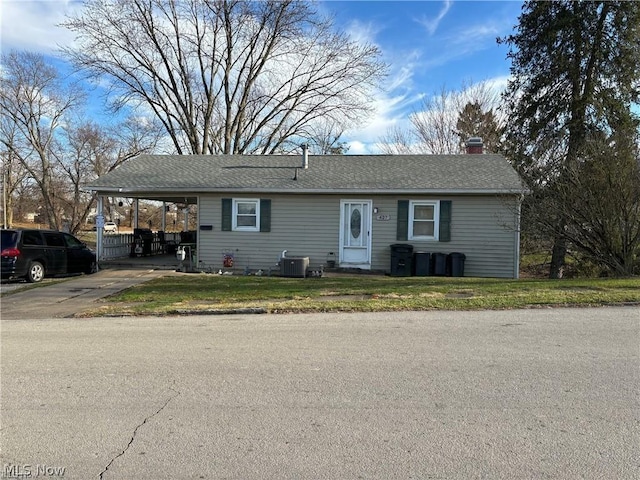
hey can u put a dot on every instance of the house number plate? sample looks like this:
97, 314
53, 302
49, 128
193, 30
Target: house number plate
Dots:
383, 217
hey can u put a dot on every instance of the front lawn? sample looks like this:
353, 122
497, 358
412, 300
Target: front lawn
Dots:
189, 293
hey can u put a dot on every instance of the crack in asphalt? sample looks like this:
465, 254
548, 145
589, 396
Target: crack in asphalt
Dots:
135, 431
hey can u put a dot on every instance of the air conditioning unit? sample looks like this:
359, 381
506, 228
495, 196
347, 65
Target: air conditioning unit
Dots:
294, 266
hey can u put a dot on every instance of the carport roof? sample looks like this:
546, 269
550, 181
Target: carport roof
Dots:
166, 175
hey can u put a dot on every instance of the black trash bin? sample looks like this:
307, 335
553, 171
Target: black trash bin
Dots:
455, 261
188, 237
422, 264
401, 260
439, 262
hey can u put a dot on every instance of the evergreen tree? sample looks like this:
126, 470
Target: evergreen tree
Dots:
474, 122
575, 69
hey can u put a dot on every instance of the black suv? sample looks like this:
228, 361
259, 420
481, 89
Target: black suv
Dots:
32, 254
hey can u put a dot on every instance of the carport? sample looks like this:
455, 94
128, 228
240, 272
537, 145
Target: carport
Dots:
104, 253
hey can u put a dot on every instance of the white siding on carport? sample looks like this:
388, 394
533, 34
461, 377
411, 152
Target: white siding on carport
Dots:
482, 227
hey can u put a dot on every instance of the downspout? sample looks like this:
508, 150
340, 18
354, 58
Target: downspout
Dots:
516, 263
197, 233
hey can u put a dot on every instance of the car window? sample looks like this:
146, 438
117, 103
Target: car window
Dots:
54, 239
72, 241
30, 237
8, 239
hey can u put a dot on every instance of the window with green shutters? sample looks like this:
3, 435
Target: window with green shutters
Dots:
246, 215
424, 220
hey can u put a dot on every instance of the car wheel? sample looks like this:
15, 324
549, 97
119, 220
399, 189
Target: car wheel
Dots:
35, 273
92, 268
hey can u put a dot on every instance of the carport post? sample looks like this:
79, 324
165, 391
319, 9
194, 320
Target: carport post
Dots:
186, 218
164, 216
99, 231
135, 212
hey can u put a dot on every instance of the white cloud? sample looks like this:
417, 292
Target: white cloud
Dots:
357, 148
497, 84
432, 24
390, 112
33, 24
463, 43
396, 110
406, 64
363, 33
474, 38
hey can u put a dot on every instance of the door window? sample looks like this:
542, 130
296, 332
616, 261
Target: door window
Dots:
356, 223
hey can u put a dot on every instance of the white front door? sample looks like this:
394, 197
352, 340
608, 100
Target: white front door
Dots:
355, 233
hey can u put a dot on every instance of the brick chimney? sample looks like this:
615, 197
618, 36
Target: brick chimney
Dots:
474, 145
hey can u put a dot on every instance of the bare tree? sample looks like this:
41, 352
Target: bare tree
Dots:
435, 125
35, 100
93, 150
49, 154
227, 76
602, 200
13, 173
399, 141
324, 139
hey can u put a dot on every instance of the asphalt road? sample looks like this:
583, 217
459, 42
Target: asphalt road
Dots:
527, 394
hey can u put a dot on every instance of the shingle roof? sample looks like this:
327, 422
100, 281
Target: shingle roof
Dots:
326, 174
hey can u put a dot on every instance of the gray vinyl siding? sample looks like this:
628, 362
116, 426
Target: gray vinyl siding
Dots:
302, 225
482, 227
486, 233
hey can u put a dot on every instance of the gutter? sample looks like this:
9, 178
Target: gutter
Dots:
315, 191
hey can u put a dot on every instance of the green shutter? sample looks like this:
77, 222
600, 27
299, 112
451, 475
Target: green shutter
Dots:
227, 214
265, 215
402, 232
445, 220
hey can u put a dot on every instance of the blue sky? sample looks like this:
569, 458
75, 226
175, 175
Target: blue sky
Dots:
428, 45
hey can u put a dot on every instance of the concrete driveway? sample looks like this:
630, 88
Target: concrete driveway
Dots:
64, 297
548, 393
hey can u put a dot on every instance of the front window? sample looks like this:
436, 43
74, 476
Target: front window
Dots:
72, 241
246, 215
423, 220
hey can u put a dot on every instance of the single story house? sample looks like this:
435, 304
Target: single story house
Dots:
348, 209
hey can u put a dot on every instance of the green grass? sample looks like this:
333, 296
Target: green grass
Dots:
360, 293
